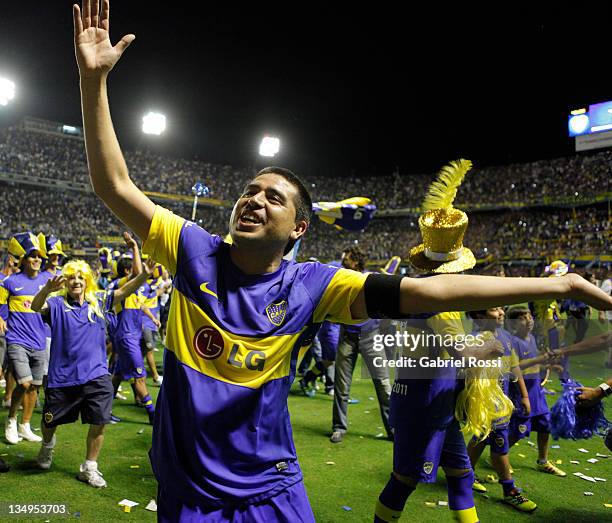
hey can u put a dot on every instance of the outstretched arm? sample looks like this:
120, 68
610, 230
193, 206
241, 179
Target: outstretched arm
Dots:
109, 175
459, 292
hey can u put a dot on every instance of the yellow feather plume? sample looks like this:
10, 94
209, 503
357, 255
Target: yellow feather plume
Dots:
442, 192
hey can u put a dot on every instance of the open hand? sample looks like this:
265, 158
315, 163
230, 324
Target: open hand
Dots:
95, 54
129, 241
3, 327
55, 284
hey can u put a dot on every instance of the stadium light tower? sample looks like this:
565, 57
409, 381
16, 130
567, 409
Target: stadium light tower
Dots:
269, 146
153, 123
7, 91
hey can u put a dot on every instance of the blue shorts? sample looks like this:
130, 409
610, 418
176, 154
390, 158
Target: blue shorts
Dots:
288, 506
498, 440
130, 363
521, 426
419, 451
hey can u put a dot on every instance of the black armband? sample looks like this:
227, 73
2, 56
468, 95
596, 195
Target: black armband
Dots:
382, 295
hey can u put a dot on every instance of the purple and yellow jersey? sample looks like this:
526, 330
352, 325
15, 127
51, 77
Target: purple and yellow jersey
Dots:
25, 327
222, 432
548, 328
527, 349
78, 343
3, 298
151, 302
129, 315
426, 396
509, 358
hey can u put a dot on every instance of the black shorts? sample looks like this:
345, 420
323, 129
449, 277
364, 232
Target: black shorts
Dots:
93, 400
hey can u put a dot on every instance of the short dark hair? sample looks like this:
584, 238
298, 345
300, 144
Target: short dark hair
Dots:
124, 264
358, 256
517, 312
303, 203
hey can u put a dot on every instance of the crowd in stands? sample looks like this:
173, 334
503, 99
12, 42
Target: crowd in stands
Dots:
510, 234
51, 156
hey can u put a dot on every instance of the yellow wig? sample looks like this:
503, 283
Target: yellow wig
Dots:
482, 402
82, 267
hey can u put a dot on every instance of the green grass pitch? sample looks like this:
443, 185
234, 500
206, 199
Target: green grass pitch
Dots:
338, 477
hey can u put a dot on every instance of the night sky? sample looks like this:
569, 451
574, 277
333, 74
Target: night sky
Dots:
348, 91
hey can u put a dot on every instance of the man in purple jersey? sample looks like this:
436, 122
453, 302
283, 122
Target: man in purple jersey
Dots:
25, 335
240, 315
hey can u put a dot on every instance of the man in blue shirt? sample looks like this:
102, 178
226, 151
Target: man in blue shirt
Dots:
240, 316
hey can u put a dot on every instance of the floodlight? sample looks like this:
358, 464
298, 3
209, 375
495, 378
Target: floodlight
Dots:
269, 146
579, 123
153, 123
7, 91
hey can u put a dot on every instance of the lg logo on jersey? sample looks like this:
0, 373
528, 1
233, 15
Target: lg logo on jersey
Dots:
208, 344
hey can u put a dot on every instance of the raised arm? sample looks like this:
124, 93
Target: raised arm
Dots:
132, 285
136, 258
39, 303
108, 171
459, 292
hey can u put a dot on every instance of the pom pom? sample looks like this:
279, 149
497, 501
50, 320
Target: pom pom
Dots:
569, 420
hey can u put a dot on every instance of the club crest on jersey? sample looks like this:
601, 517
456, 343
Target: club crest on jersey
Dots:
276, 312
522, 428
208, 343
427, 467
499, 441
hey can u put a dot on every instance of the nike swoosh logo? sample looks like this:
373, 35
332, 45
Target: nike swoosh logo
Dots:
204, 288
18, 288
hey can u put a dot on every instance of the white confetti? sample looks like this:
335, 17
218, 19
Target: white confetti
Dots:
152, 506
443, 503
584, 451
602, 455
599, 479
592, 460
574, 462
588, 493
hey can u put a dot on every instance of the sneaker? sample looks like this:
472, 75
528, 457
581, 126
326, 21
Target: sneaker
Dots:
308, 392
114, 419
158, 381
549, 468
26, 433
477, 486
520, 502
92, 476
45, 455
10, 432
120, 396
337, 436
330, 392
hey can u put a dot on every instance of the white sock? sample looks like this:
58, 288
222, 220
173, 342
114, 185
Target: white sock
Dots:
90, 464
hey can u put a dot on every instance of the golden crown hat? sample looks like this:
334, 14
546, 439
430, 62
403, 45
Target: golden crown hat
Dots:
442, 226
